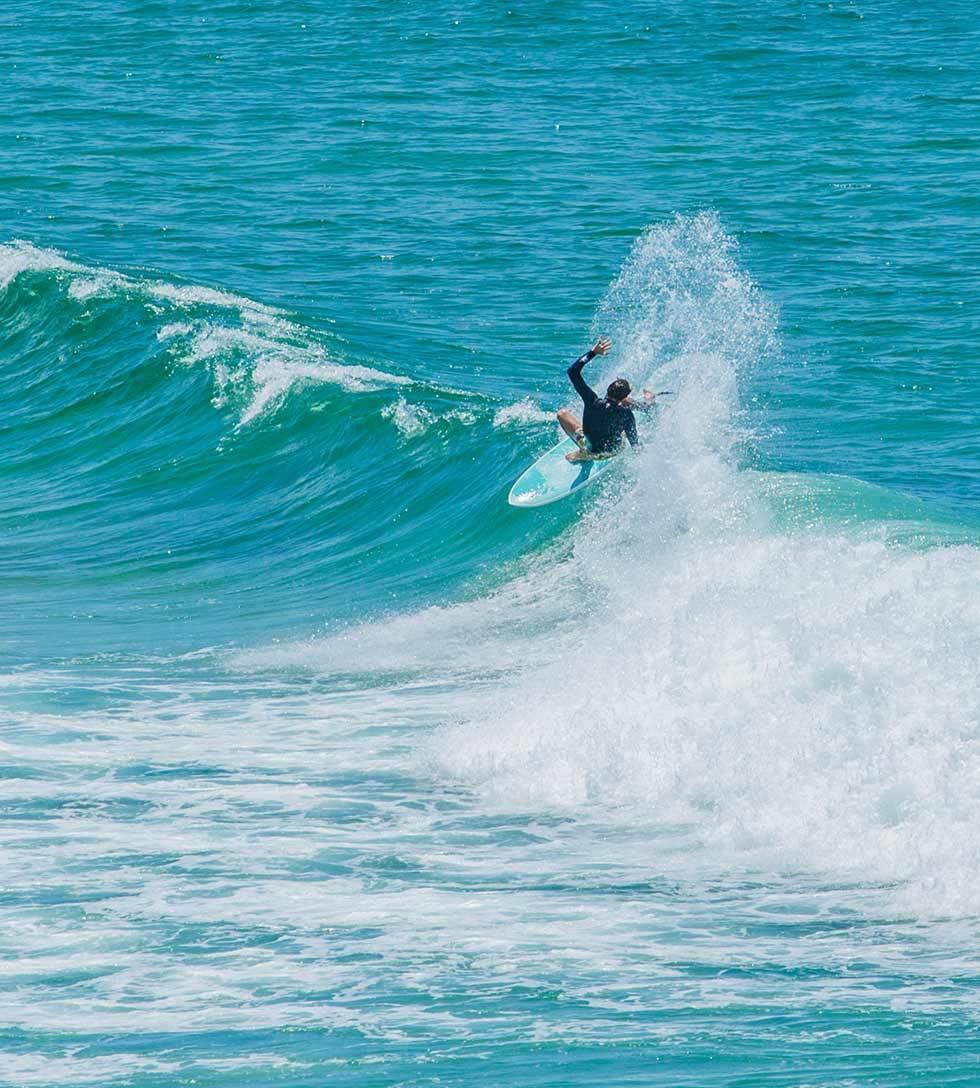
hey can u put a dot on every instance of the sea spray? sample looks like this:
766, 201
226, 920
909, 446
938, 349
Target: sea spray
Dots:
681, 292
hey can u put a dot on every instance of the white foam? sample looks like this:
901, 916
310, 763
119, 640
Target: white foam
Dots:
271, 368
18, 257
174, 329
414, 420
411, 420
519, 626
521, 413
310, 795
192, 295
84, 287
273, 376
45, 1069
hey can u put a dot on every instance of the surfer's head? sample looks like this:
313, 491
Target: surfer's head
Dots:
618, 390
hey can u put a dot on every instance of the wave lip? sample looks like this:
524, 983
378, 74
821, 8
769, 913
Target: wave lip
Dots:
256, 353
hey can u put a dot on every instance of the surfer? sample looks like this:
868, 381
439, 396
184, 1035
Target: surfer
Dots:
599, 433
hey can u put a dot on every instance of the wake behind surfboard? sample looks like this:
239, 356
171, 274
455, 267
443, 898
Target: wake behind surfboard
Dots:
551, 477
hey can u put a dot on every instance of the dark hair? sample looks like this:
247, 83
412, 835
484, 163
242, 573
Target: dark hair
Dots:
618, 389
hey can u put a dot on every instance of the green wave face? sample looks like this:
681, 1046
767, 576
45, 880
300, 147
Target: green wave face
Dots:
186, 463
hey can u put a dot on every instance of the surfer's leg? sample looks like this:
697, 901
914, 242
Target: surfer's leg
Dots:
572, 426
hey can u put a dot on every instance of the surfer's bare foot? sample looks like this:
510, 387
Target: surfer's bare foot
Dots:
578, 455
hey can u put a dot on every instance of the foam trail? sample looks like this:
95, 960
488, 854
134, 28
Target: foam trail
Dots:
85, 281
22, 257
257, 356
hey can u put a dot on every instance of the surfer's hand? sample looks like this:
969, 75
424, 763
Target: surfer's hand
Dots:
601, 346
648, 396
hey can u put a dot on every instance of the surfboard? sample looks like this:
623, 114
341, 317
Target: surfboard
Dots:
551, 477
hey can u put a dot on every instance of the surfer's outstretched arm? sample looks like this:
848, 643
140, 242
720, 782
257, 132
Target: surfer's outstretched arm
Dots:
582, 387
648, 403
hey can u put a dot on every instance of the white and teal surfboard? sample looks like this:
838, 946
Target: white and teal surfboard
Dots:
551, 477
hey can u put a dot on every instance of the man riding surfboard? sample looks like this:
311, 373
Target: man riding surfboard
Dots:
605, 420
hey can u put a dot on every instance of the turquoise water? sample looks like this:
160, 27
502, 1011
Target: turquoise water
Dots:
321, 764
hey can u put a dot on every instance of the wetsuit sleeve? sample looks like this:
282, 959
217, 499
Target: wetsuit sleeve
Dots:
630, 429
582, 387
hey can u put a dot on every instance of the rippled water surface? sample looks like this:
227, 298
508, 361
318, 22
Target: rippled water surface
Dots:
320, 763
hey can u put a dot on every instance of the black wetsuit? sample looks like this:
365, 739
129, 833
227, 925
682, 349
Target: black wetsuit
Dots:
603, 420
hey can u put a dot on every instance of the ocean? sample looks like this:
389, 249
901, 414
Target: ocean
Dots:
319, 763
